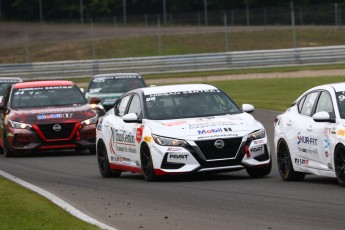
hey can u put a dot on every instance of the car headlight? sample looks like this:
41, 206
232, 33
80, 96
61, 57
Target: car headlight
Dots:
19, 125
257, 134
90, 121
169, 141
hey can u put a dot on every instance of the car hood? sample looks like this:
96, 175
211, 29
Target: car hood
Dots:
106, 98
206, 127
52, 114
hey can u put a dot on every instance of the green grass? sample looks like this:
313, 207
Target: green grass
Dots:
23, 209
140, 45
271, 94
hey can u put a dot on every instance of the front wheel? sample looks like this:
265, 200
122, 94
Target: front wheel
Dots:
261, 171
147, 165
7, 151
285, 167
339, 163
103, 162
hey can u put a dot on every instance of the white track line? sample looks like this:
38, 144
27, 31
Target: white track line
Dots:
56, 200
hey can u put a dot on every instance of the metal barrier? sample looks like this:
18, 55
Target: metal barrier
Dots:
177, 63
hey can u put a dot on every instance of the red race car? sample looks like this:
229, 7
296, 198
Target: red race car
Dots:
46, 115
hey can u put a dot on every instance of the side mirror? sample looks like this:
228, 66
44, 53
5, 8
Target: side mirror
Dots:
130, 117
323, 116
95, 100
82, 90
248, 108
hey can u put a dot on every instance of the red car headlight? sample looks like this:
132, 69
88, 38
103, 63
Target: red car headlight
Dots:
19, 125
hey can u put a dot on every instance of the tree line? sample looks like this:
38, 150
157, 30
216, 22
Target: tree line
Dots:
33, 10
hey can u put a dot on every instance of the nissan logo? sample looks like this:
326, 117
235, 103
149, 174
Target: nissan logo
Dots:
57, 127
219, 144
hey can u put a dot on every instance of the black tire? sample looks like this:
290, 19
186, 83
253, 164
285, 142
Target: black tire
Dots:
285, 167
6, 150
257, 172
339, 164
103, 162
147, 165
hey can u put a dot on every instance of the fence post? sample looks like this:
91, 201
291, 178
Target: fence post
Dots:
226, 32
159, 36
336, 13
93, 46
27, 54
293, 24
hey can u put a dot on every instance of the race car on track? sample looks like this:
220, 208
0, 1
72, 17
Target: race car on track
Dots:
5, 82
46, 115
109, 87
309, 137
180, 129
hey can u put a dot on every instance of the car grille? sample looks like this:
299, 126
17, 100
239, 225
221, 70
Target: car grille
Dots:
210, 152
50, 134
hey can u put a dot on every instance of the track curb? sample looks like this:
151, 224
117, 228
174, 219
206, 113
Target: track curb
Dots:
56, 200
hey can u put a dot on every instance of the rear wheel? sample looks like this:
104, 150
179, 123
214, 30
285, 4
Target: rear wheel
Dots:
339, 163
257, 172
103, 162
147, 164
285, 167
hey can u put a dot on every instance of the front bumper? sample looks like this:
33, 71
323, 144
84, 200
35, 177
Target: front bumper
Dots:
23, 140
204, 157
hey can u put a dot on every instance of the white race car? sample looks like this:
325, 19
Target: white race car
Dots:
309, 136
180, 129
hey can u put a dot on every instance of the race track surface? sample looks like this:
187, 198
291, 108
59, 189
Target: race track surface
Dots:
220, 201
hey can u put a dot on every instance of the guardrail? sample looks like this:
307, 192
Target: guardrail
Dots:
177, 63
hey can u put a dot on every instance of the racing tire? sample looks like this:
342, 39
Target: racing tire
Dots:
147, 164
339, 164
261, 171
6, 150
103, 162
285, 167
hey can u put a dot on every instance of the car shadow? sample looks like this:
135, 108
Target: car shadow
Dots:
52, 153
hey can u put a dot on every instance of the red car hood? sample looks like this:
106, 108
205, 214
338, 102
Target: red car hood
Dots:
52, 114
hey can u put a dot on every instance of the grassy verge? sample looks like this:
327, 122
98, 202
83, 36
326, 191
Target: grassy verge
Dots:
271, 94
23, 209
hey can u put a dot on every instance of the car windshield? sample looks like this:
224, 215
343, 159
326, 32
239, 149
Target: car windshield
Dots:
116, 84
4, 85
47, 97
164, 106
341, 103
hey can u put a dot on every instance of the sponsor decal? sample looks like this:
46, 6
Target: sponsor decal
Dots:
54, 116
123, 137
327, 131
303, 162
209, 131
257, 149
174, 149
139, 133
258, 142
112, 141
174, 123
306, 140
341, 132
218, 136
148, 97
326, 154
309, 151
178, 156
157, 149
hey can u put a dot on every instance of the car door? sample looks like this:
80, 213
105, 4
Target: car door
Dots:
125, 133
324, 130
302, 141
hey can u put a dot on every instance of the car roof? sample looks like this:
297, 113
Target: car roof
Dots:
177, 88
10, 79
43, 84
116, 75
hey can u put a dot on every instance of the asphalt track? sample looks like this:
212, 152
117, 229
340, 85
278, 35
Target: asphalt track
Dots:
219, 201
